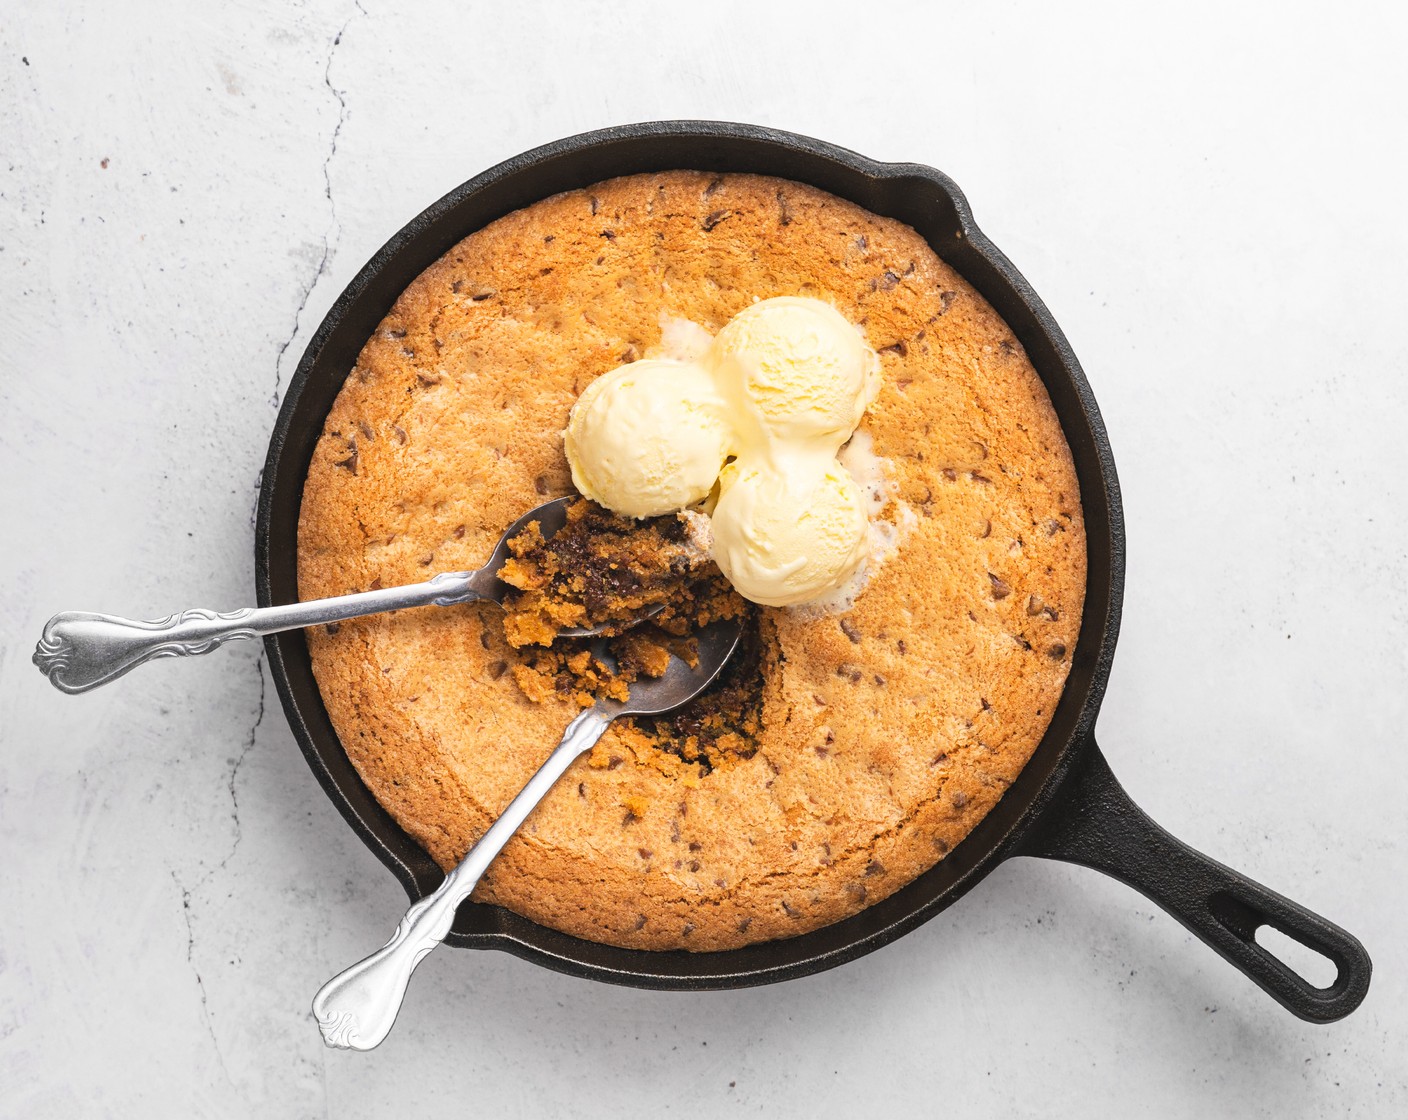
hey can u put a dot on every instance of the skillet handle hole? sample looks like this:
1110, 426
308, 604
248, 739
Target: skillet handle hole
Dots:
1316, 969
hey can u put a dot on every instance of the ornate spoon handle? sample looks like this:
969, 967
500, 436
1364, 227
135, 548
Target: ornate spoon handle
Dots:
80, 650
356, 1008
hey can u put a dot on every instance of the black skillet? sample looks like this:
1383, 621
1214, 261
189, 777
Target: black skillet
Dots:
1065, 804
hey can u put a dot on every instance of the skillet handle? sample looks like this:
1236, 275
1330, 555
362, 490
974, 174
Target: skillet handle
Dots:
1094, 823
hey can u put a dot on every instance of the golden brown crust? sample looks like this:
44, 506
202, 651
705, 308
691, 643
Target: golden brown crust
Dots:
888, 733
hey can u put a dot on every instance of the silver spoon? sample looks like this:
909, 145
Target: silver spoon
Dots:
80, 650
356, 1009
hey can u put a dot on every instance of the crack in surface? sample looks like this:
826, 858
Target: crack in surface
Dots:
329, 235
188, 893
328, 242
234, 774
200, 983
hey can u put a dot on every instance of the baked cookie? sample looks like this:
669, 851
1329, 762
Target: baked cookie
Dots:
878, 737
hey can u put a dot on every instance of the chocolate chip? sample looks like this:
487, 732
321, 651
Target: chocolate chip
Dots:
744, 924
333, 627
874, 867
484, 638
582, 790
983, 700
693, 865
888, 280
711, 220
849, 629
784, 214
899, 347
1007, 346
397, 332
688, 929
629, 355
900, 645
1035, 604
821, 752
857, 891
640, 922
958, 799
695, 846
977, 476
1000, 587
609, 234
400, 434
950, 474
497, 669
987, 529
614, 761
939, 759
789, 911
427, 379
366, 430
946, 301
375, 584
1021, 641
644, 853
595, 202
714, 184
862, 243
879, 679
458, 534
540, 484
850, 672
1056, 652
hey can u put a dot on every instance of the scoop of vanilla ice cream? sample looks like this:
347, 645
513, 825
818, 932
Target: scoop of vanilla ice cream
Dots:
785, 537
806, 369
649, 438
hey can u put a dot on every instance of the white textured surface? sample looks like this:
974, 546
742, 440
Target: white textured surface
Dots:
1209, 198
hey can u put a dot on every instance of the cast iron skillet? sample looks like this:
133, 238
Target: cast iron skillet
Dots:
1065, 804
